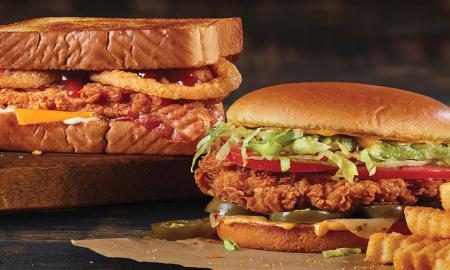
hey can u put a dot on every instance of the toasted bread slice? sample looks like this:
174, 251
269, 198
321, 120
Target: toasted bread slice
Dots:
63, 43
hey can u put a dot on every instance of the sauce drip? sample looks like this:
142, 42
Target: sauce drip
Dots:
73, 82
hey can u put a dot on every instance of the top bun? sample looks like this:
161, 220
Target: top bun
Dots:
345, 108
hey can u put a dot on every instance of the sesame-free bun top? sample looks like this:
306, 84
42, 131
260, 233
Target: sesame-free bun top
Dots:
329, 108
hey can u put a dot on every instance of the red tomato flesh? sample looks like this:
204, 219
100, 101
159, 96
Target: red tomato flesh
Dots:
274, 165
412, 172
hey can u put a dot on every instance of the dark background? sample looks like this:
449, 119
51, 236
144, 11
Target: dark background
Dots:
404, 44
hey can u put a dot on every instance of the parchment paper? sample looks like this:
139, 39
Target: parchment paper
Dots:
211, 254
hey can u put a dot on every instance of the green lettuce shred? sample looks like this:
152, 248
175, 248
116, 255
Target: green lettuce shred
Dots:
245, 143
339, 252
340, 151
230, 245
308, 145
285, 163
364, 157
346, 168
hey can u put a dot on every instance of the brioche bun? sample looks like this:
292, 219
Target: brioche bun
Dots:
299, 239
329, 108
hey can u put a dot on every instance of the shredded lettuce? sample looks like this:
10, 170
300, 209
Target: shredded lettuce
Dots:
339, 151
339, 252
335, 141
308, 145
346, 168
245, 143
285, 163
267, 149
364, 157
230, 245
215, 134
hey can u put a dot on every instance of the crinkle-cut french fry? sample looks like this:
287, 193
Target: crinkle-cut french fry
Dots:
427, 221
403, 257
444, 191
442, 259
382, 246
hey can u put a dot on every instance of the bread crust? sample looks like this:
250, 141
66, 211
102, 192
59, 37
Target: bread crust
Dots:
108, 44
345, 108
301, 238
101, 136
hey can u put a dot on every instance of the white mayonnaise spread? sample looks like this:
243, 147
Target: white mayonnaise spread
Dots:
79, 120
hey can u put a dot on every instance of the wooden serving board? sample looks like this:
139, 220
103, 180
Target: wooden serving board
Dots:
70, 180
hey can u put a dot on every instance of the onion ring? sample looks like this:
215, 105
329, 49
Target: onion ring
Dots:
228, 79
27, 79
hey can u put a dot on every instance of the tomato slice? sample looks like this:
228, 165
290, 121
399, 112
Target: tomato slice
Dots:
411, 172
275, 166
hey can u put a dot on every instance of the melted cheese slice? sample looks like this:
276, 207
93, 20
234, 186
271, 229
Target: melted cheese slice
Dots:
363, 228
30, 117
360, 227
256, 220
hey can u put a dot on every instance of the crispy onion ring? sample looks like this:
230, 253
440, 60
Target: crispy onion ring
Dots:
27, 79
228, 79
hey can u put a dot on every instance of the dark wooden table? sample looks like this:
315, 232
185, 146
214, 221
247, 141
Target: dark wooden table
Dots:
41, 240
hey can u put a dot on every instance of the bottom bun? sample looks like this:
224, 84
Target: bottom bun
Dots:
299, 239
100, 136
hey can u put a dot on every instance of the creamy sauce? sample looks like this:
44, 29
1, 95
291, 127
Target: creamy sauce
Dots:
79, 120
257, 221
8, 109
363, 228
322, 228
368, 141
360, 227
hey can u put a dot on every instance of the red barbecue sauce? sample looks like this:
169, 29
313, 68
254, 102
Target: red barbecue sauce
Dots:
73, 82
185, 76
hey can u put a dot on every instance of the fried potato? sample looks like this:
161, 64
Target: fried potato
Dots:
442, 259
382, 246
429, 222
27, 79
444, 191
228, 79
403, 257
421, 255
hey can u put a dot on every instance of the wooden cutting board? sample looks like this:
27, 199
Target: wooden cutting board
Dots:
66, 180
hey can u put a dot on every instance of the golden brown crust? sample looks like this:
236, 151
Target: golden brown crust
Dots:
128, 137
345, 108
27, 79
113, 137
299, 239
228, 79
428, 222
108, 44
444, 194
382, 246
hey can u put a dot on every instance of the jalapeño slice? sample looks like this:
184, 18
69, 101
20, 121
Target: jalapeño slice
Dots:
226, 208
382, 211
182, 229
305, 216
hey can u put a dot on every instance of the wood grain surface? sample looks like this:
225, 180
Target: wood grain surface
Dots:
65, 180
41, 239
